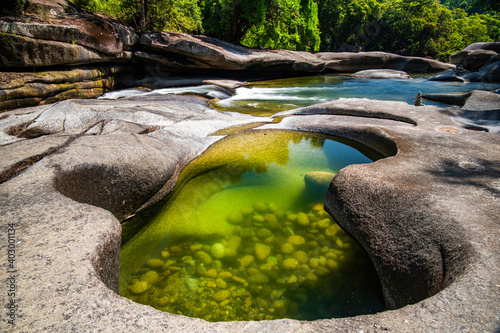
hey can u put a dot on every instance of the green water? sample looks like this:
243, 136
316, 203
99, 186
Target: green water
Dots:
243, 237
266, 98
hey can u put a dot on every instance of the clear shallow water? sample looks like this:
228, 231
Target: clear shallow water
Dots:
269, 97
266, 98
244, 238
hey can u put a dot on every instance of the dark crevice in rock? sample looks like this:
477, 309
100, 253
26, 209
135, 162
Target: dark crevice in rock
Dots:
476, 128
19, 130
26, 163
107, 260
20, 166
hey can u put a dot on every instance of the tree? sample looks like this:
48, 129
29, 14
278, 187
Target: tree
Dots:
348, 22
161, 15
288, 24
231, 19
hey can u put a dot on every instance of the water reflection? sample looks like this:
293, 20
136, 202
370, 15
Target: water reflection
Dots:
269, 97
244, 238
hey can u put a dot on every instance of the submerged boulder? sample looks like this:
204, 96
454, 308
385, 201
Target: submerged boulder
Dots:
318, 180
381, 74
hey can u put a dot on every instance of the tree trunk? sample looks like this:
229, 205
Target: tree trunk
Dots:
143, 15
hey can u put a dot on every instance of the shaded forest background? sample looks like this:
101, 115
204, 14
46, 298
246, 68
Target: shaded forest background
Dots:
423, 28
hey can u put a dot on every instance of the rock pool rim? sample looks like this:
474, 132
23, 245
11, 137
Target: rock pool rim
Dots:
136, 221
228, 147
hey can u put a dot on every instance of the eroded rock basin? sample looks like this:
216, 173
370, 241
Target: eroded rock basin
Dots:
245, 237
427, 217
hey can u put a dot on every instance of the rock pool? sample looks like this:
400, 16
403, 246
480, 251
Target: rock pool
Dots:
244, 236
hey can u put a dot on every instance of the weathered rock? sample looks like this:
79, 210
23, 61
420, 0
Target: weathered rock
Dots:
183, 51
493, 46
93, 34
381, 74
489, 73
458, 58
427, 216
25, 52
353, 62
28, 89
483, 101
477, 59
353, 208
452, 99
476, 100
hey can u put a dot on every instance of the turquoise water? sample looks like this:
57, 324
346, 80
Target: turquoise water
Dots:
269, 97
245, 236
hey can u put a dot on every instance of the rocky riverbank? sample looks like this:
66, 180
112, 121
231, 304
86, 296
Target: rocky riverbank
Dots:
41, 52
72, 171
427, 216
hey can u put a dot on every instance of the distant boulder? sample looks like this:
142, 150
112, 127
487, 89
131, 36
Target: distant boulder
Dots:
381, 74
353, 62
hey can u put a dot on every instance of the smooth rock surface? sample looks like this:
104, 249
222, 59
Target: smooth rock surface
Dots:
381, 74
489, 73
353, 62
183, 51
24, 52
427, 214
475, 60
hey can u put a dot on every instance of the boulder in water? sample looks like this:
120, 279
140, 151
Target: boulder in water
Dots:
318, 180
381, 74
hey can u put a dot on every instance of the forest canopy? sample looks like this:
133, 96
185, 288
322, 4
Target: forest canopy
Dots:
423, 28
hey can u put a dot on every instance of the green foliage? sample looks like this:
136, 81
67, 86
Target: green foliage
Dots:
288, 24
151, 15
343, 22
164, 15
424, 28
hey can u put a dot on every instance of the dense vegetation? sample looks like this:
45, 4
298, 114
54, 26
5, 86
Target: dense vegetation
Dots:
424, 28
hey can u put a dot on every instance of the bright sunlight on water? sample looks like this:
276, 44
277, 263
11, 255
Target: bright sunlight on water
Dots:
269, 97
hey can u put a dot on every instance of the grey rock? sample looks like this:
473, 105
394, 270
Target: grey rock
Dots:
427, 214
354, 62
381, 74
452, 99
458, 58
25, 52
493, 46
483, 101
175, 50
477, 59
101, 38
489, 73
